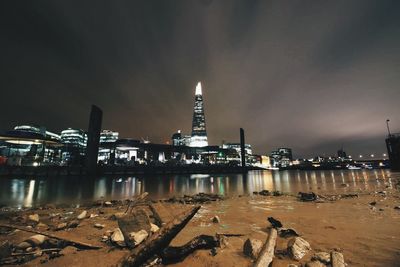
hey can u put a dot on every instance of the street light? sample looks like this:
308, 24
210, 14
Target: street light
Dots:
360, 156
372, 155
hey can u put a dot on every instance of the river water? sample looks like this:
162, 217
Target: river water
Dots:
36, 191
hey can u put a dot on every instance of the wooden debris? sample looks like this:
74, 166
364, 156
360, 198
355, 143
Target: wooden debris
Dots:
267, 252
135, 201
177, 254
158, 241
69, 241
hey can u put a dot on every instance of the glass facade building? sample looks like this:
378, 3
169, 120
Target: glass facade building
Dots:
199, 133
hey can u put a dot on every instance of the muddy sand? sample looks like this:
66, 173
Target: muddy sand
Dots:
365, 229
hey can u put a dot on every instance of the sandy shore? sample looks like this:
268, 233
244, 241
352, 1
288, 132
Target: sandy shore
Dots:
367, 235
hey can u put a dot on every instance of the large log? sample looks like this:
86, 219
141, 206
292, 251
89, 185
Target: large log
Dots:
137, 200
158, 241
177, 254
267, 252
68, 240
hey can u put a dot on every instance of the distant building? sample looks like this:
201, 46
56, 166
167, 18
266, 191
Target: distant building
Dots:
199, 133
179, 139
107, 136
236, 146
282, 157
74, 141
341, 154
37, 130
393, 149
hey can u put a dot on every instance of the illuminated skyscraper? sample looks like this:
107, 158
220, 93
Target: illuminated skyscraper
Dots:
199, 133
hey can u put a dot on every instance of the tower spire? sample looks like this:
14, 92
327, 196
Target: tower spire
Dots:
199, 133
198, 88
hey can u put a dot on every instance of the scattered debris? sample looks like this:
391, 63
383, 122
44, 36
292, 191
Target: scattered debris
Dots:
373, 203
323, 257
154, 228
337, 259
5, 249
99, 226
298, 247
287, 232
252, 247
118, 238
138, 237
308, 196
274, 222
397, 207
199, 198
267, 253
61, 226
83, 215
34, 218
216, 219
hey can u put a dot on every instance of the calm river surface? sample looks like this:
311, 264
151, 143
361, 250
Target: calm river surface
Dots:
35, 191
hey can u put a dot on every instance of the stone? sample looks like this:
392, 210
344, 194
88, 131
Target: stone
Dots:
397, 207
5, 249
138, 237
94, 215
61, 226
373, 203
118, 238
264, 193
34, 218
298, 247
38, 239
82, 215
73, 224
308, 196
274, 222
216, 219
42, 225
24, 245
287, 232
154, 228
69, 250
323, 257
315, 264
105, 238
107, 203
252, 247
99, 226
337, 259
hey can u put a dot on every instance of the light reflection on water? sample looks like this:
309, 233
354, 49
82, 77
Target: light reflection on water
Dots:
73, 190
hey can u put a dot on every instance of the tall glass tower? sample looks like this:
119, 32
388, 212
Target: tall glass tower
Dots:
199, 133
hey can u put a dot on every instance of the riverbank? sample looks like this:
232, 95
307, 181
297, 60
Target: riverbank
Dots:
364, 228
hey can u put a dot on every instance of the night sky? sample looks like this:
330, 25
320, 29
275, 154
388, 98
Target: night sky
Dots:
311, 75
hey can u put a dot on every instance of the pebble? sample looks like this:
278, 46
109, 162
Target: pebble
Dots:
337, 259
323, 257
82, 215
107, 203
118, 238
34, 217
216, 219
61, 226
154, 228
138, 237
99, 226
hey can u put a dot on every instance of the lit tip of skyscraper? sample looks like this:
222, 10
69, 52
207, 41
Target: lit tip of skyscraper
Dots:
198, 88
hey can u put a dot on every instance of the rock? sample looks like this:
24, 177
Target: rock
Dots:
337, 259
323, 257
24, 245
138, 237
215, 219
5, 249
264, 193
105, 238
154, 228
213, 252
373, 203
73, 224
118, 215
397, 207
298, 247
315, 264
107, 203
34, 218
69, 250
277, 193
99, 226
308, 196
61, 226
274, 222
287, 232
82, 215
252, 247
118, 238
38, 239
93, 215
42, 225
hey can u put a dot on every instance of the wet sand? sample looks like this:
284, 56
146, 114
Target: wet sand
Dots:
366, 235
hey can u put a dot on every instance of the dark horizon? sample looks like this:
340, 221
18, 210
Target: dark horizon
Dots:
313, 76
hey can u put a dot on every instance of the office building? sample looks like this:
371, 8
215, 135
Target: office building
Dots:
199, 133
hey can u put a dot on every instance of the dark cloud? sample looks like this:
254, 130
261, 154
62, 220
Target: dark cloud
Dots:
313, 75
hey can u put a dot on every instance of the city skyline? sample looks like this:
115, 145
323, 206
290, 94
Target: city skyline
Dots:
323, 79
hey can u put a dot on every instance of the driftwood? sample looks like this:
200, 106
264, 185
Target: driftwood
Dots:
132, 203
68, 240
267, 252
177, 254
156, 216
158, 241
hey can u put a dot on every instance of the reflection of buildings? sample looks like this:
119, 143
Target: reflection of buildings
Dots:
199, 133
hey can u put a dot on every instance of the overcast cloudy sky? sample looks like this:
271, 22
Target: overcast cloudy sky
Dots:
311, 75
